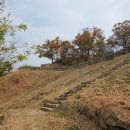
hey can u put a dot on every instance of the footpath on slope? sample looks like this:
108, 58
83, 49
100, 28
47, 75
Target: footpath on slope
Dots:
50, 106
57, 101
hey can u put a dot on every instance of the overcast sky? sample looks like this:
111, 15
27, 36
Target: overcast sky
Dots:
47, 19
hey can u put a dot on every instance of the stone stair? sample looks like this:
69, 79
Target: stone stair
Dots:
46, 109
49, 106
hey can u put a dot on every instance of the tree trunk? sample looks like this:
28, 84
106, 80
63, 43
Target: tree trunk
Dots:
88, 53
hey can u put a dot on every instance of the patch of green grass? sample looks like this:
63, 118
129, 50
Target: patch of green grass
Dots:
77, 96
113, 115
69, 113
74, 127
65, 111
62, 113
127, 79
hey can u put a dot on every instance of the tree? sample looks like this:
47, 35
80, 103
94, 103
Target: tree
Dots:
8, 50
91, 40
84, 42
55, 49
99, 42
65, 47
121, 36
49, 49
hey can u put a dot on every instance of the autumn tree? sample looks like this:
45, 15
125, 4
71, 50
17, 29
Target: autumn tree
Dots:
121, 36
55, 49
84, 42
49, 49
91, 40
99, 42
64, 48
8, 50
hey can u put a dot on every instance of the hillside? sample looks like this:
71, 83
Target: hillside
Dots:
90, 98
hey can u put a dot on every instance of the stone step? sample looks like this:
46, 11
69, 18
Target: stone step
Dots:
53, 102
127, 80
89, 82
60, 98
83, 84
67, 95
72, 91
46, 109
50, 105
79, 88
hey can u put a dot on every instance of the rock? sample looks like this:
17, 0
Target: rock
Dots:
102, 124
87, 112
113, 124
107, 123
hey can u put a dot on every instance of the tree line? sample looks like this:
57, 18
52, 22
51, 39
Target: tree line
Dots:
90, 44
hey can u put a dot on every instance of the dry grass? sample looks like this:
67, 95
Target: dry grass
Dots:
111, 95
33, 120
23, 81
26, 89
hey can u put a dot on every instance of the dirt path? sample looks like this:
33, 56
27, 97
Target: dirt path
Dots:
32, 120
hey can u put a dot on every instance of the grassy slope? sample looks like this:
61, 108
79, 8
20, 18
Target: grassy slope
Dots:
110, 96
28, 88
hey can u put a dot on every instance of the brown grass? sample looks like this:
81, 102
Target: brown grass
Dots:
24, 80
111, 95
26, 89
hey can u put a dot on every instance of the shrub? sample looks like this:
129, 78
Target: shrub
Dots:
74, 127
77, 96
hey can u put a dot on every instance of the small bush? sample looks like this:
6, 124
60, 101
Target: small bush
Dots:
65, 111
77, 96
29, 67
127, 80
74, 127
128, 67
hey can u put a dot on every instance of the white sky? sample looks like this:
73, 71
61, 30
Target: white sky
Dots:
47, 19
